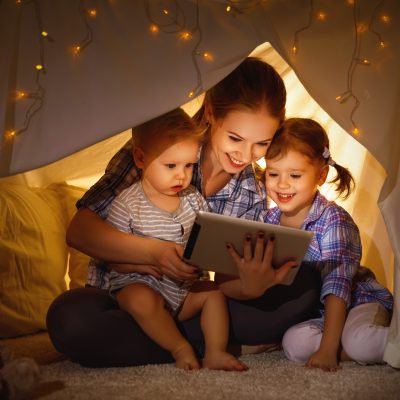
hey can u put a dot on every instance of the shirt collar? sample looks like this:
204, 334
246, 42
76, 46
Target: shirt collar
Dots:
318, 207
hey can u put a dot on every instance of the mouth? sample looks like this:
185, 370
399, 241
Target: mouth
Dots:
177, 188
235, 162
284, 197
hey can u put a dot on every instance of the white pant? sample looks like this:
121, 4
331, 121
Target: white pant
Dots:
363, 339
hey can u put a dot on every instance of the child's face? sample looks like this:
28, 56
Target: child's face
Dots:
170, 171
242, 137
292, 182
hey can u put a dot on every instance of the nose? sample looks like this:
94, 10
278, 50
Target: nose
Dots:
282, 182
247, 153
181, 174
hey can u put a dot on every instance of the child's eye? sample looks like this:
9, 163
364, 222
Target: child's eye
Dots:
189, 165
170, 166
234, 138
272, 174
295, 176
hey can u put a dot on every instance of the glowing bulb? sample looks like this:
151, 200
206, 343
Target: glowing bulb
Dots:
76, 49
356, 131
165, 11
385, 18
321, 15
18, 2
20, 95
39, 67
45, 34
92, 12
185, 35
228, 8
294, 49
154, 28
341, 98
382, 44
191, 94
10, 134
361, 27
350, 2
207, 56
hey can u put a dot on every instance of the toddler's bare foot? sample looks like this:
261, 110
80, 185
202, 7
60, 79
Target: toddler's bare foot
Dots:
185, 358
224, 361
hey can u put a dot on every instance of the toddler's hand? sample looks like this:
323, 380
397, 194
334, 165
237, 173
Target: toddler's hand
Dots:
327, 361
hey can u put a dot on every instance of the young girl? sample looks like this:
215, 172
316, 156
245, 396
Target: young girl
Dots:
242, 113
356, 308
163, 205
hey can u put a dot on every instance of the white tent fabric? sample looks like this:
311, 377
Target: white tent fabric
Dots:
126, 74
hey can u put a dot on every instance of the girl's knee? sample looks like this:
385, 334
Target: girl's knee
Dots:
366, 345
301, 341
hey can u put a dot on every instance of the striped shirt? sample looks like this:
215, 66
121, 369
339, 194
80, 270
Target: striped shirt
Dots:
132, 212
335, 251
243, 196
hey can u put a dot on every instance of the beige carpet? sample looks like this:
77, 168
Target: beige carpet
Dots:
270, 376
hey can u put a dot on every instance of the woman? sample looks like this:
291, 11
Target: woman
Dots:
242, 114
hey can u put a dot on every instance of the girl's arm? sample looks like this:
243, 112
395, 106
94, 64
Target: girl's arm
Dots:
326, 357
90, 234
256, 273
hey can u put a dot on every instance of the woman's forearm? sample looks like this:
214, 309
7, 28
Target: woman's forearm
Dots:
90, 234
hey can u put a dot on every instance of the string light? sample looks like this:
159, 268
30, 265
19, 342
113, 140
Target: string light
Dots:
384, 18
154, 28
295, 46
185, 35
321, 15
10, 134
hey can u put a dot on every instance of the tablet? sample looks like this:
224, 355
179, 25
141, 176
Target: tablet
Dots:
206, 247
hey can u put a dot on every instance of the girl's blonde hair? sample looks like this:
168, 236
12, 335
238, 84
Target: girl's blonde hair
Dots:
174, 125
309, 138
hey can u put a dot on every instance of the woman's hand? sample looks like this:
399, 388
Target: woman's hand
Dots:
167, 257
256, 273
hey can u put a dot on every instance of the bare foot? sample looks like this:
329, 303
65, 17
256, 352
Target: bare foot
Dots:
185, 358
223, 361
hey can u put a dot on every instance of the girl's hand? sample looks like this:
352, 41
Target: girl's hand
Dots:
325, 360
256, 273
142, 269
167, 257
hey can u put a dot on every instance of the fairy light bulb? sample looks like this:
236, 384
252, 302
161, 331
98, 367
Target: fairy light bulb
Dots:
361, 27
228, 8
356, 131
166, 11
385, 18
185, 35
92, 12
382, 44
321, 15
10, 134
191, 94
154, 28
294, 49
76, 49
39, 67
44, 34
20, 94
207, 56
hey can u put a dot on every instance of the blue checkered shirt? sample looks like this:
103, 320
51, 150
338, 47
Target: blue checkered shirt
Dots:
243, 196
335, 251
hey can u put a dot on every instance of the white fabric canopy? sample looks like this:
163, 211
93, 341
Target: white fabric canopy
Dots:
126, 74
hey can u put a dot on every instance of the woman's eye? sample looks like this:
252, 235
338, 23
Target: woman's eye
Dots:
234, 138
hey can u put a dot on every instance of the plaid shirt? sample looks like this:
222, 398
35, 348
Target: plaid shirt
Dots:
243, 196
335, 251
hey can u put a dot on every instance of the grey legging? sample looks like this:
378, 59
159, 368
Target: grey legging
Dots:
87, 325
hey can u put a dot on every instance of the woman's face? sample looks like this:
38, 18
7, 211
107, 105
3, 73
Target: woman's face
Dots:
242, 137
